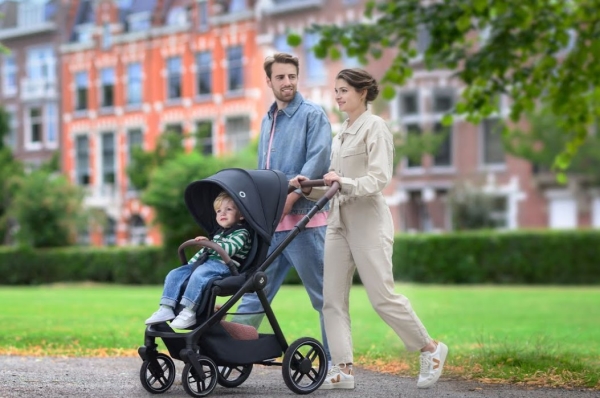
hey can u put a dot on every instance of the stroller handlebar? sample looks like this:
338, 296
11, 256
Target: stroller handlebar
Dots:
211, 245
317, 183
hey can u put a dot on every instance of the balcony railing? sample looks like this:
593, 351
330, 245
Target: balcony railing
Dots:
38, 89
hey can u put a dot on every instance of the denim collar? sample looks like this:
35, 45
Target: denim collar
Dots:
290, 109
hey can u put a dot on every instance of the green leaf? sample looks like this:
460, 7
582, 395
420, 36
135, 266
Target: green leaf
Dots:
335, 53
294, 40
447, 120
464, 23
388, 92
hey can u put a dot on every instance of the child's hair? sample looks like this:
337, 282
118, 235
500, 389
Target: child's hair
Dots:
220, 198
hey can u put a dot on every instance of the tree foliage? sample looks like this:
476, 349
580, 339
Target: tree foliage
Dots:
166, 187
529, 50
545, 137
10, 169
47, 208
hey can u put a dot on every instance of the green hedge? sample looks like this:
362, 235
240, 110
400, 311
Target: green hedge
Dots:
522, 257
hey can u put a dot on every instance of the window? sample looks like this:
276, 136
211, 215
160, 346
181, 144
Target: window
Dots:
139, 21
235, 75
176, 128
237, 132
443, 101
203, 16
137, 231
110, 232
108, 158
51, 124
409, 104
9, 75
82, 160
106, 36
84, 33
315, 70
423, 39
107, 89
204, 137
174, 77
443, 155
493, 148
134, 83
81, 91
41, 64
36, 121
11, 138
499, 211
177, 17
237, 6
412, 130
203, 73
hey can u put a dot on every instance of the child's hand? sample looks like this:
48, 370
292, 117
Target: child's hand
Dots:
200, 238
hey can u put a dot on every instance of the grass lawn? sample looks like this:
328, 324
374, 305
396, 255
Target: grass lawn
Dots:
533, 335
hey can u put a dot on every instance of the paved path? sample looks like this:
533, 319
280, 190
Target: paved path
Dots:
119, 377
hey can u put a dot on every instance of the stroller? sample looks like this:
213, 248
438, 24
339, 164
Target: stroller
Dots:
215, 350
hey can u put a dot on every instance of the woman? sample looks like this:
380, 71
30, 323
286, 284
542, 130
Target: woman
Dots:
360, 235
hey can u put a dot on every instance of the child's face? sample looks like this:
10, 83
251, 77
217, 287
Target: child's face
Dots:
228, 214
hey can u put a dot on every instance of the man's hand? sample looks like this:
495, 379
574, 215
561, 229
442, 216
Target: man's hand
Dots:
289, 203
295, 182
200, 238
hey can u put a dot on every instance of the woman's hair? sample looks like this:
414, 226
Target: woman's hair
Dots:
280, 58
220, 199
360, 80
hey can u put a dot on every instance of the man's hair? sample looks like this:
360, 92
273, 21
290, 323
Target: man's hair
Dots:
280, 58
220, 199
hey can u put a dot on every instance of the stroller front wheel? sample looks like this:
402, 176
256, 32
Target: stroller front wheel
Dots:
157, 375
304, 365
200, 385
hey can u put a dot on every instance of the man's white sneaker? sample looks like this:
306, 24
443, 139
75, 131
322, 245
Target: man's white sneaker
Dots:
432, 364
336, 378
163, 314
184, 320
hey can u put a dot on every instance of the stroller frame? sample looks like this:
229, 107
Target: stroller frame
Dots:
208, 361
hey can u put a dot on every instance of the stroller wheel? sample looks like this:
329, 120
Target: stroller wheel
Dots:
304, 365
233, 376
200, 385
158, 375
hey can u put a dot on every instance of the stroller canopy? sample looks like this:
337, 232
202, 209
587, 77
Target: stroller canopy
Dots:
259, 194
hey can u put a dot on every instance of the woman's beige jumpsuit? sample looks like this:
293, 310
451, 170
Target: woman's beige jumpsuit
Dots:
360, 235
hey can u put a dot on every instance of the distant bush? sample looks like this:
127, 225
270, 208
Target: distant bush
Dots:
520, 257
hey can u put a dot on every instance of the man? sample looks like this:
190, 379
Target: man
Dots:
295, 138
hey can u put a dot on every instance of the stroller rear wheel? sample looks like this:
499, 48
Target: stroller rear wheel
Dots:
158, 375
200, 385
233, 376
304, 365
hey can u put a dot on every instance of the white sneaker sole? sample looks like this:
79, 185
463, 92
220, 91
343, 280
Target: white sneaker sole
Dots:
342, 385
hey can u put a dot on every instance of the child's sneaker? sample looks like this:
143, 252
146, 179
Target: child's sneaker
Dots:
163, 314
184, 320
432, 364
336, 378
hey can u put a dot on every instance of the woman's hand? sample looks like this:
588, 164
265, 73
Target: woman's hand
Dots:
295, 182
200, 238
331, 177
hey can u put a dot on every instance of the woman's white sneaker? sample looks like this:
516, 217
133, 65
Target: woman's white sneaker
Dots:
336, 378
432, 364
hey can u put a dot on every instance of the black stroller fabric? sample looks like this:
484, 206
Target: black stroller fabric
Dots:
259, 195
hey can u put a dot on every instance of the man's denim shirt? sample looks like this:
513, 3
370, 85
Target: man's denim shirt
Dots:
301, 143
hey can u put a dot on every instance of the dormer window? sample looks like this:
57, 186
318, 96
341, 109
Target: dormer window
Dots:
177, 17
139, 21
84, 33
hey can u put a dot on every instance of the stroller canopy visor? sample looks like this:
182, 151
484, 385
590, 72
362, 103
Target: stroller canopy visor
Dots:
259, 194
